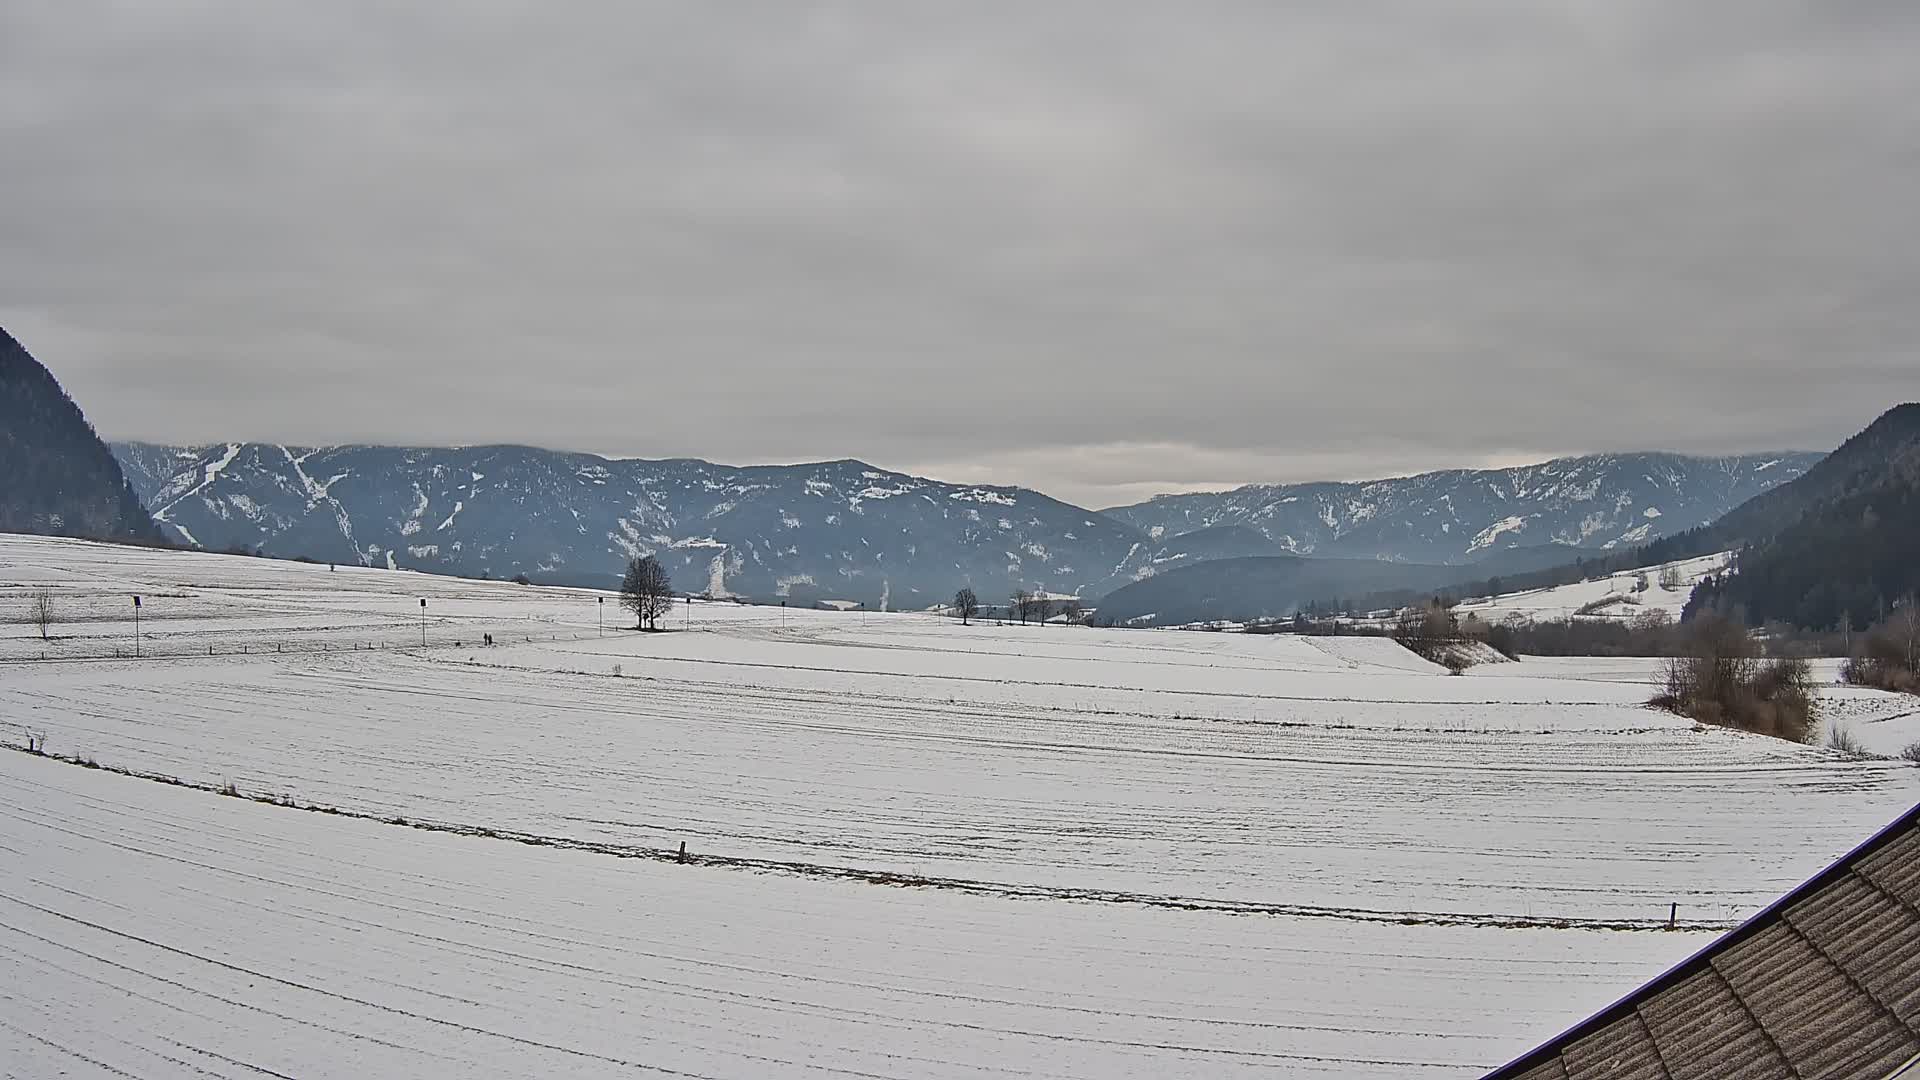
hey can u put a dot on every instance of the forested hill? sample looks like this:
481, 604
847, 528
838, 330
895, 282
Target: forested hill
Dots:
56, 476
1840, 543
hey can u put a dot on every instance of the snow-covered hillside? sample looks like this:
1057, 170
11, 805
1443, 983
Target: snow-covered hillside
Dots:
1115, 839
839, 530
1620, 597
1603, 501
846, 530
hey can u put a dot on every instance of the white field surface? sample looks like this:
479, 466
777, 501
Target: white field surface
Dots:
1565, 601
1432, 871
155, 931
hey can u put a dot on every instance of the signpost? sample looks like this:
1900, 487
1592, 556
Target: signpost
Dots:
136, 626
423, 622
602, 608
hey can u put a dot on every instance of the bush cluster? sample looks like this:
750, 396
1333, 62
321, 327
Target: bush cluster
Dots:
1888, 657
1722, 680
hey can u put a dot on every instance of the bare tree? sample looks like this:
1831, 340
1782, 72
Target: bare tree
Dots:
1022, 605
40, 611
1670, 578
966, 605
647, 591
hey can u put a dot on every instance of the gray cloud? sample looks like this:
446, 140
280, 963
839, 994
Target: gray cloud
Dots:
1098, 249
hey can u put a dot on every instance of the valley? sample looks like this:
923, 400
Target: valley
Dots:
886, 816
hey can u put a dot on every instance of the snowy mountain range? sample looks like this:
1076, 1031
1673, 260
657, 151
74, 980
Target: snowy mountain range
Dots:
847, 530
1602, 501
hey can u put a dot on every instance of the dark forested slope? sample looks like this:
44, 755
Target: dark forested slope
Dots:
56, 476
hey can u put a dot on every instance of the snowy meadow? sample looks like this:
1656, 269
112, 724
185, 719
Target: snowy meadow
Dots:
913, 848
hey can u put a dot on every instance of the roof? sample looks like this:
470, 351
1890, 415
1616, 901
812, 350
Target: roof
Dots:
1823, 984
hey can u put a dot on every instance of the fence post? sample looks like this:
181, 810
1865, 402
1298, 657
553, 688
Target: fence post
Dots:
1673, 915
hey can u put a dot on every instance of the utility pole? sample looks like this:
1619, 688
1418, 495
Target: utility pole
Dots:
689, 611
136, 627
423, 622
602, 606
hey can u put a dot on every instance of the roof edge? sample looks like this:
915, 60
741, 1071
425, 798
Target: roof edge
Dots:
1546, 1051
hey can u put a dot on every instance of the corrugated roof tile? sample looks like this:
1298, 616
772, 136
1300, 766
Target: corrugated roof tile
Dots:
1617, 1052
1824, 985
1704, 1033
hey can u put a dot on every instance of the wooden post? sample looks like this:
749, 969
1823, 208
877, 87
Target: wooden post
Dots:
1673, 915
683, 851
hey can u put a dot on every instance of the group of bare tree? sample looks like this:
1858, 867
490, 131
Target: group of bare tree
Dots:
1040, 608
1722, 678
1023, 605
1888, 656
1432, 631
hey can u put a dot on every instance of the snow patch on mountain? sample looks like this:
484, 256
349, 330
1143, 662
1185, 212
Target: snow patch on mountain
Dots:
1487, 536
784, 586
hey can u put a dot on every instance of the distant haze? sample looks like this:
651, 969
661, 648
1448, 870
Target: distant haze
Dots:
1101, 250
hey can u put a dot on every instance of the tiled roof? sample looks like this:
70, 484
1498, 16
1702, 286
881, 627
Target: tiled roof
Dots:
1823, 985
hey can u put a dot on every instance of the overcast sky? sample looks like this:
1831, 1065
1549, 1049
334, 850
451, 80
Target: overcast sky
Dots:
1103, 249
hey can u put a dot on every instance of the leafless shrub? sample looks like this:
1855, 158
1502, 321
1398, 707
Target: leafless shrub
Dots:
1911, 753
1844, 740
1889, 656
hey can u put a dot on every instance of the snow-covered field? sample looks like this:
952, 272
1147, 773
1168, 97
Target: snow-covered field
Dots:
154, 931
920, 849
